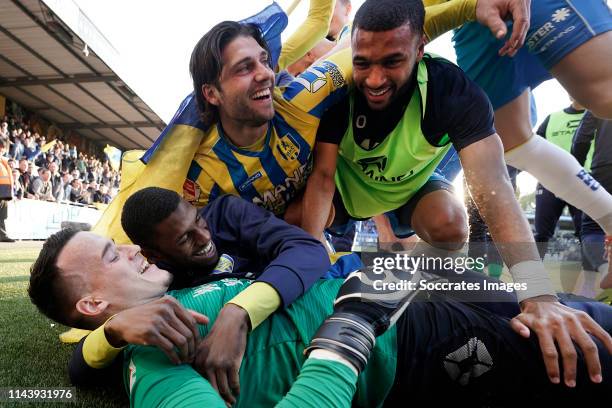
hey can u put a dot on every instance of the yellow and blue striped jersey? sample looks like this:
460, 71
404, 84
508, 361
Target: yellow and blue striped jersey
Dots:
272, 175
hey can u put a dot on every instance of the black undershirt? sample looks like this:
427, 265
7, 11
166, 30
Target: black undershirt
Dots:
455, 106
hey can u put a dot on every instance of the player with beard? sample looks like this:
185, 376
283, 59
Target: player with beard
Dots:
406, 111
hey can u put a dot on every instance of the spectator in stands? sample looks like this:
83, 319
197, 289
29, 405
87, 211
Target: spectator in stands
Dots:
42, 188
31, 150
105, 197
18, 190
17, 148
81, 165
6, 190
56, 181
4, 130
67, 162
76, 188
66, 187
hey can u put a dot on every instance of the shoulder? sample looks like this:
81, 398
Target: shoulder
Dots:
446, 79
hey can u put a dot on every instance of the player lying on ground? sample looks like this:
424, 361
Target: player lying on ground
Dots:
158, 220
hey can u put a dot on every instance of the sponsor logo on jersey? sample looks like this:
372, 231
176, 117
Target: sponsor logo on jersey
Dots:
560, 15
225, 265
373, 167
191, 191
589, 181
378, 163
275, 200
288, 148
250, 181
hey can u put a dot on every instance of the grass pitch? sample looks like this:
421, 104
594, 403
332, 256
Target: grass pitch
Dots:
31, 354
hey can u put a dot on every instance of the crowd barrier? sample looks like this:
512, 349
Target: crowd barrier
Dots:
33, 219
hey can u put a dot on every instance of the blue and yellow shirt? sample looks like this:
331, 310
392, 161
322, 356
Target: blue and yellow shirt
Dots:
271, 174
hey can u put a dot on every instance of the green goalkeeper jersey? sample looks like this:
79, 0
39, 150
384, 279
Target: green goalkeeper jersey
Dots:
272, 360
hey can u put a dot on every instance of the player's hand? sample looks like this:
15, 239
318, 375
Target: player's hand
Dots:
163, 323
492, 14
554, 323
219, 355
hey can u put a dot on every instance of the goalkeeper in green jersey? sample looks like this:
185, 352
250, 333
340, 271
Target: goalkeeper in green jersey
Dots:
300, 356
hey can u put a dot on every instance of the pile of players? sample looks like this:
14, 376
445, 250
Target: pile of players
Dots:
360, 133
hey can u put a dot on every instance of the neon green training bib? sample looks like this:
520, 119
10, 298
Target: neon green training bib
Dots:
561, 129
375, 181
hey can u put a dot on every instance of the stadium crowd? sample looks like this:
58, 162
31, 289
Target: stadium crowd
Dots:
54, 170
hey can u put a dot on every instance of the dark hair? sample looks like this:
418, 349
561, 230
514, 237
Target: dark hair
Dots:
144, 210
2, 144
385, 15
206, 62
46, 290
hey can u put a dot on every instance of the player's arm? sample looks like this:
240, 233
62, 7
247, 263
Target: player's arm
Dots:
163, 323
154, 382
316, 204
310, 32
294, 259
484, 168
326, 381
584, 137
320, 188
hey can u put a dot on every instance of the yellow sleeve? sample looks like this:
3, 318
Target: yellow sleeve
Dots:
317, 88
259, 300
309, 33
97, 351
443, 16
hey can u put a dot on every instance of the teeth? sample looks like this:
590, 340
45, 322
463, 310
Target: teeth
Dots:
144, 266
207, 249
261, 94
378, 93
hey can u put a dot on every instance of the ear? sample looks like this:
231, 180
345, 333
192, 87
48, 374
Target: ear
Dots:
421, 48
90, 306
211, 94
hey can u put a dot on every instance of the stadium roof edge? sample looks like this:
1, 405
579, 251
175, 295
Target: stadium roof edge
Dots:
55, 62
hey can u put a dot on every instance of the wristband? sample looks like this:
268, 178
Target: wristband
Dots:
534, 276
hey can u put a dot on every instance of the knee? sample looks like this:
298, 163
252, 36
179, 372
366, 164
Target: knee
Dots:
449, 230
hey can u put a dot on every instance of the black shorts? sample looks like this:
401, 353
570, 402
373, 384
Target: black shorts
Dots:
459, 353
399, 218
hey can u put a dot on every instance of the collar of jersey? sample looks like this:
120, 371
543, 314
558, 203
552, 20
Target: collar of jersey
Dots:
245, 152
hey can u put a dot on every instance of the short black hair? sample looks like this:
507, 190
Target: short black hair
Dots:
144, 210
46, 289
385, 15
206, 62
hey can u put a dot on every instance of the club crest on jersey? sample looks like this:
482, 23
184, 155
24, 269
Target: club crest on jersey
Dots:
191, 191
288, 148
225, 265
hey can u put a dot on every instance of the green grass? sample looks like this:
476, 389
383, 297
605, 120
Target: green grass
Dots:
31, 354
